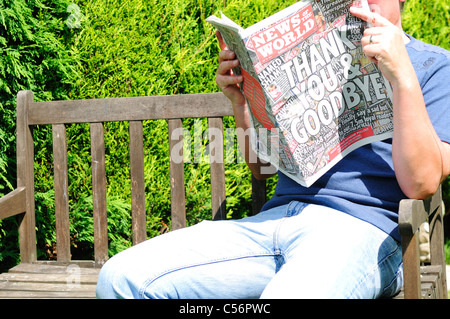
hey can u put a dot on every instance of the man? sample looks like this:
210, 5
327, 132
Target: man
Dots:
335, 239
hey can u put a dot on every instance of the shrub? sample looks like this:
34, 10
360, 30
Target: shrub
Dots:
35, 54
428, 21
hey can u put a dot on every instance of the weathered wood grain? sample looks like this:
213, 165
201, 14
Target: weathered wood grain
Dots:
217, 165
13, 203
49, 280
25, 177
177, 192
99, 192
130, 109
61, 184
138, 219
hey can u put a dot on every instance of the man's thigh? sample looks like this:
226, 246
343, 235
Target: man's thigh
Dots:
213, 259
335, 255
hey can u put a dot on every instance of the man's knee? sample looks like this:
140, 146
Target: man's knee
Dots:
112, 281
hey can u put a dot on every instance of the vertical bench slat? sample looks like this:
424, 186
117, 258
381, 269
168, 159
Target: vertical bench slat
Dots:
177, 191
25, 177
258, 195
218, 194
99, 192
61, 192
137, 182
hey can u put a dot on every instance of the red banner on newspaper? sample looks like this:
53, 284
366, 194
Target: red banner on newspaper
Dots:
255, 97
284, 35
349, 140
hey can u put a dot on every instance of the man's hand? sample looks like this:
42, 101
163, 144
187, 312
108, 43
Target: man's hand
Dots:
384, 44
225, 79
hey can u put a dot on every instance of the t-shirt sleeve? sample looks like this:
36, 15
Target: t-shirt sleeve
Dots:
436, 92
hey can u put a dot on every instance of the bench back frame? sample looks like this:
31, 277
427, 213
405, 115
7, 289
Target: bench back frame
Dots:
174, 108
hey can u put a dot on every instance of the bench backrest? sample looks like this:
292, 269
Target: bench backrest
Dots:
174, 108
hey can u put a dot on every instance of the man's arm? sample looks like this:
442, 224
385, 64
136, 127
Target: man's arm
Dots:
228, 83
421, 159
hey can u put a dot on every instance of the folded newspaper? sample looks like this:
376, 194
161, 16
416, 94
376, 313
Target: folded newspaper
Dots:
313, 95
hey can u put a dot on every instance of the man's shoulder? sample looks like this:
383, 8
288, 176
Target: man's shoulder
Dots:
428, 60
423, 49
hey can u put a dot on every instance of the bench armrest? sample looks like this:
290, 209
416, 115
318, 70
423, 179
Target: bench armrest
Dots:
413, 212
13, 203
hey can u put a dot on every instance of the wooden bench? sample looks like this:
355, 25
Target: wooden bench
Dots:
66, 278
427, 281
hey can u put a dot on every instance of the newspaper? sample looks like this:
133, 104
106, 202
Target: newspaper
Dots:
313, 95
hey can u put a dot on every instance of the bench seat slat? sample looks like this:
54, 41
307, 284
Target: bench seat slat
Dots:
86, 267
47, 294
49, 280
45, 278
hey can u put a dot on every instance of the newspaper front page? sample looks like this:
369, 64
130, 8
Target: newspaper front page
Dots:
313, 94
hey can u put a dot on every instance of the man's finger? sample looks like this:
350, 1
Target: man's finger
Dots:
372, 18
226, 66
226, 55
224, 81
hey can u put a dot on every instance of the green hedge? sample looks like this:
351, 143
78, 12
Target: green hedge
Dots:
36, 53
428, 21
116, 48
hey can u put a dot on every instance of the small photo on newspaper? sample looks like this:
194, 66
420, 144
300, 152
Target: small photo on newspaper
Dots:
312, 93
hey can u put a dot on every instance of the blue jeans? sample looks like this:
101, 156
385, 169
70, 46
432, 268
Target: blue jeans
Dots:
292, 251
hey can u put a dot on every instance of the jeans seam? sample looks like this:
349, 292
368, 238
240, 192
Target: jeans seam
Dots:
148, 282
397, 274
276, 236
293, 209
372, 272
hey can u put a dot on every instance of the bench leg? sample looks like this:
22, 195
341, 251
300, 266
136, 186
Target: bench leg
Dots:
411, 266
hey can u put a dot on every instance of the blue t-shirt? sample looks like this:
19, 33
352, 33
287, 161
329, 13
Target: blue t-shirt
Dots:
363, 183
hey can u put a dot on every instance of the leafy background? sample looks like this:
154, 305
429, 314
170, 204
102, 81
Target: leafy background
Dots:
83, 49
